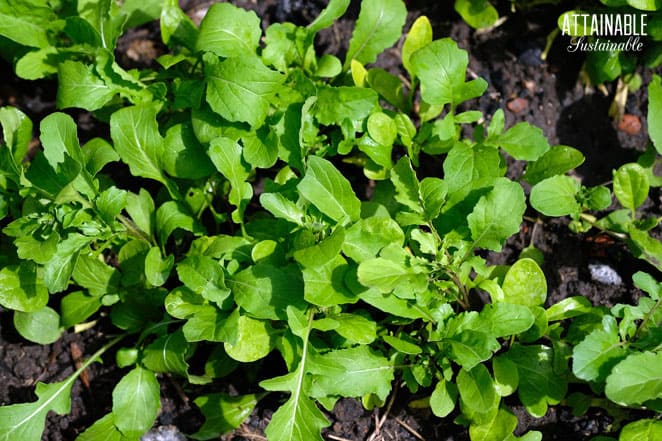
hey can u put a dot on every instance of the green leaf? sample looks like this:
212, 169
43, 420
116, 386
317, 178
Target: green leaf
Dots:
367, 237
26, 421
525, 284
229, 31
351, 372
631, 185
321, 253
157, 269
172, 215
382, 128
110, 203
20, 289
260, 149
419, 36
334, 10
76, 307
469, 347
183, 155
497, 215
41, 326
177, 26
655, 112
241, 89
324, 285
386, 275
556, 196
136, 402
478, 14
442, 400
643, 246
636, 379
226, 156
506, 376
282, 208
17, 134
646, 282
594, 358
98, 152
524, 141
59, 268
137, 140
265, 291
337, 104
208, 323
59, 137
299, 419
499, 428
329, 191
167, 354
204, 276
507, 319
539, 384
556, 161
568, 308
26, 23
355, 328
79, 86
253, 340
141, 209
406, 185
378, 27
94, 275
642, 430
442, 67
646, 5
103, 429
478, 396
223, 413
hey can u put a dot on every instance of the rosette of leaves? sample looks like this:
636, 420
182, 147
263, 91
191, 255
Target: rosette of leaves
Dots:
349, 290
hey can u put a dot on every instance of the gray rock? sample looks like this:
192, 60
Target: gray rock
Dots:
163, 433
604, 274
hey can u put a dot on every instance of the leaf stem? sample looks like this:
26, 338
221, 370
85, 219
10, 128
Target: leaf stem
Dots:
647, 317
133, 229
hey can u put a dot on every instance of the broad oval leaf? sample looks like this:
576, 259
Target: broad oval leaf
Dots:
442, 68
556, 161
636, 379
497, 215
253, 340
42, 326
525, 284
556, 196
20, 289
631, 185
379, 25
329, 191
136, 402
229, 31
420, 35
241, 88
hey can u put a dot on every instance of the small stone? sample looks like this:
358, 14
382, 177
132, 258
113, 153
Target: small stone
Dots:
163, 433
630, 124
517, 105
604, 274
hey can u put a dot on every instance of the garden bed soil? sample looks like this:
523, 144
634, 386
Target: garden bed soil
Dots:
546, 94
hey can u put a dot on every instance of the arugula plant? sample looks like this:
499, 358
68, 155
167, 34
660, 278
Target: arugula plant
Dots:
561, 195
352, 291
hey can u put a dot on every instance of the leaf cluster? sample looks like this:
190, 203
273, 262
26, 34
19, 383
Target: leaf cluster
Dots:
251, 240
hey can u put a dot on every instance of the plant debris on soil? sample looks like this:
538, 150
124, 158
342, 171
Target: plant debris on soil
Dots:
544, 93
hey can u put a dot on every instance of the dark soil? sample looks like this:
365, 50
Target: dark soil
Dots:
546, 94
